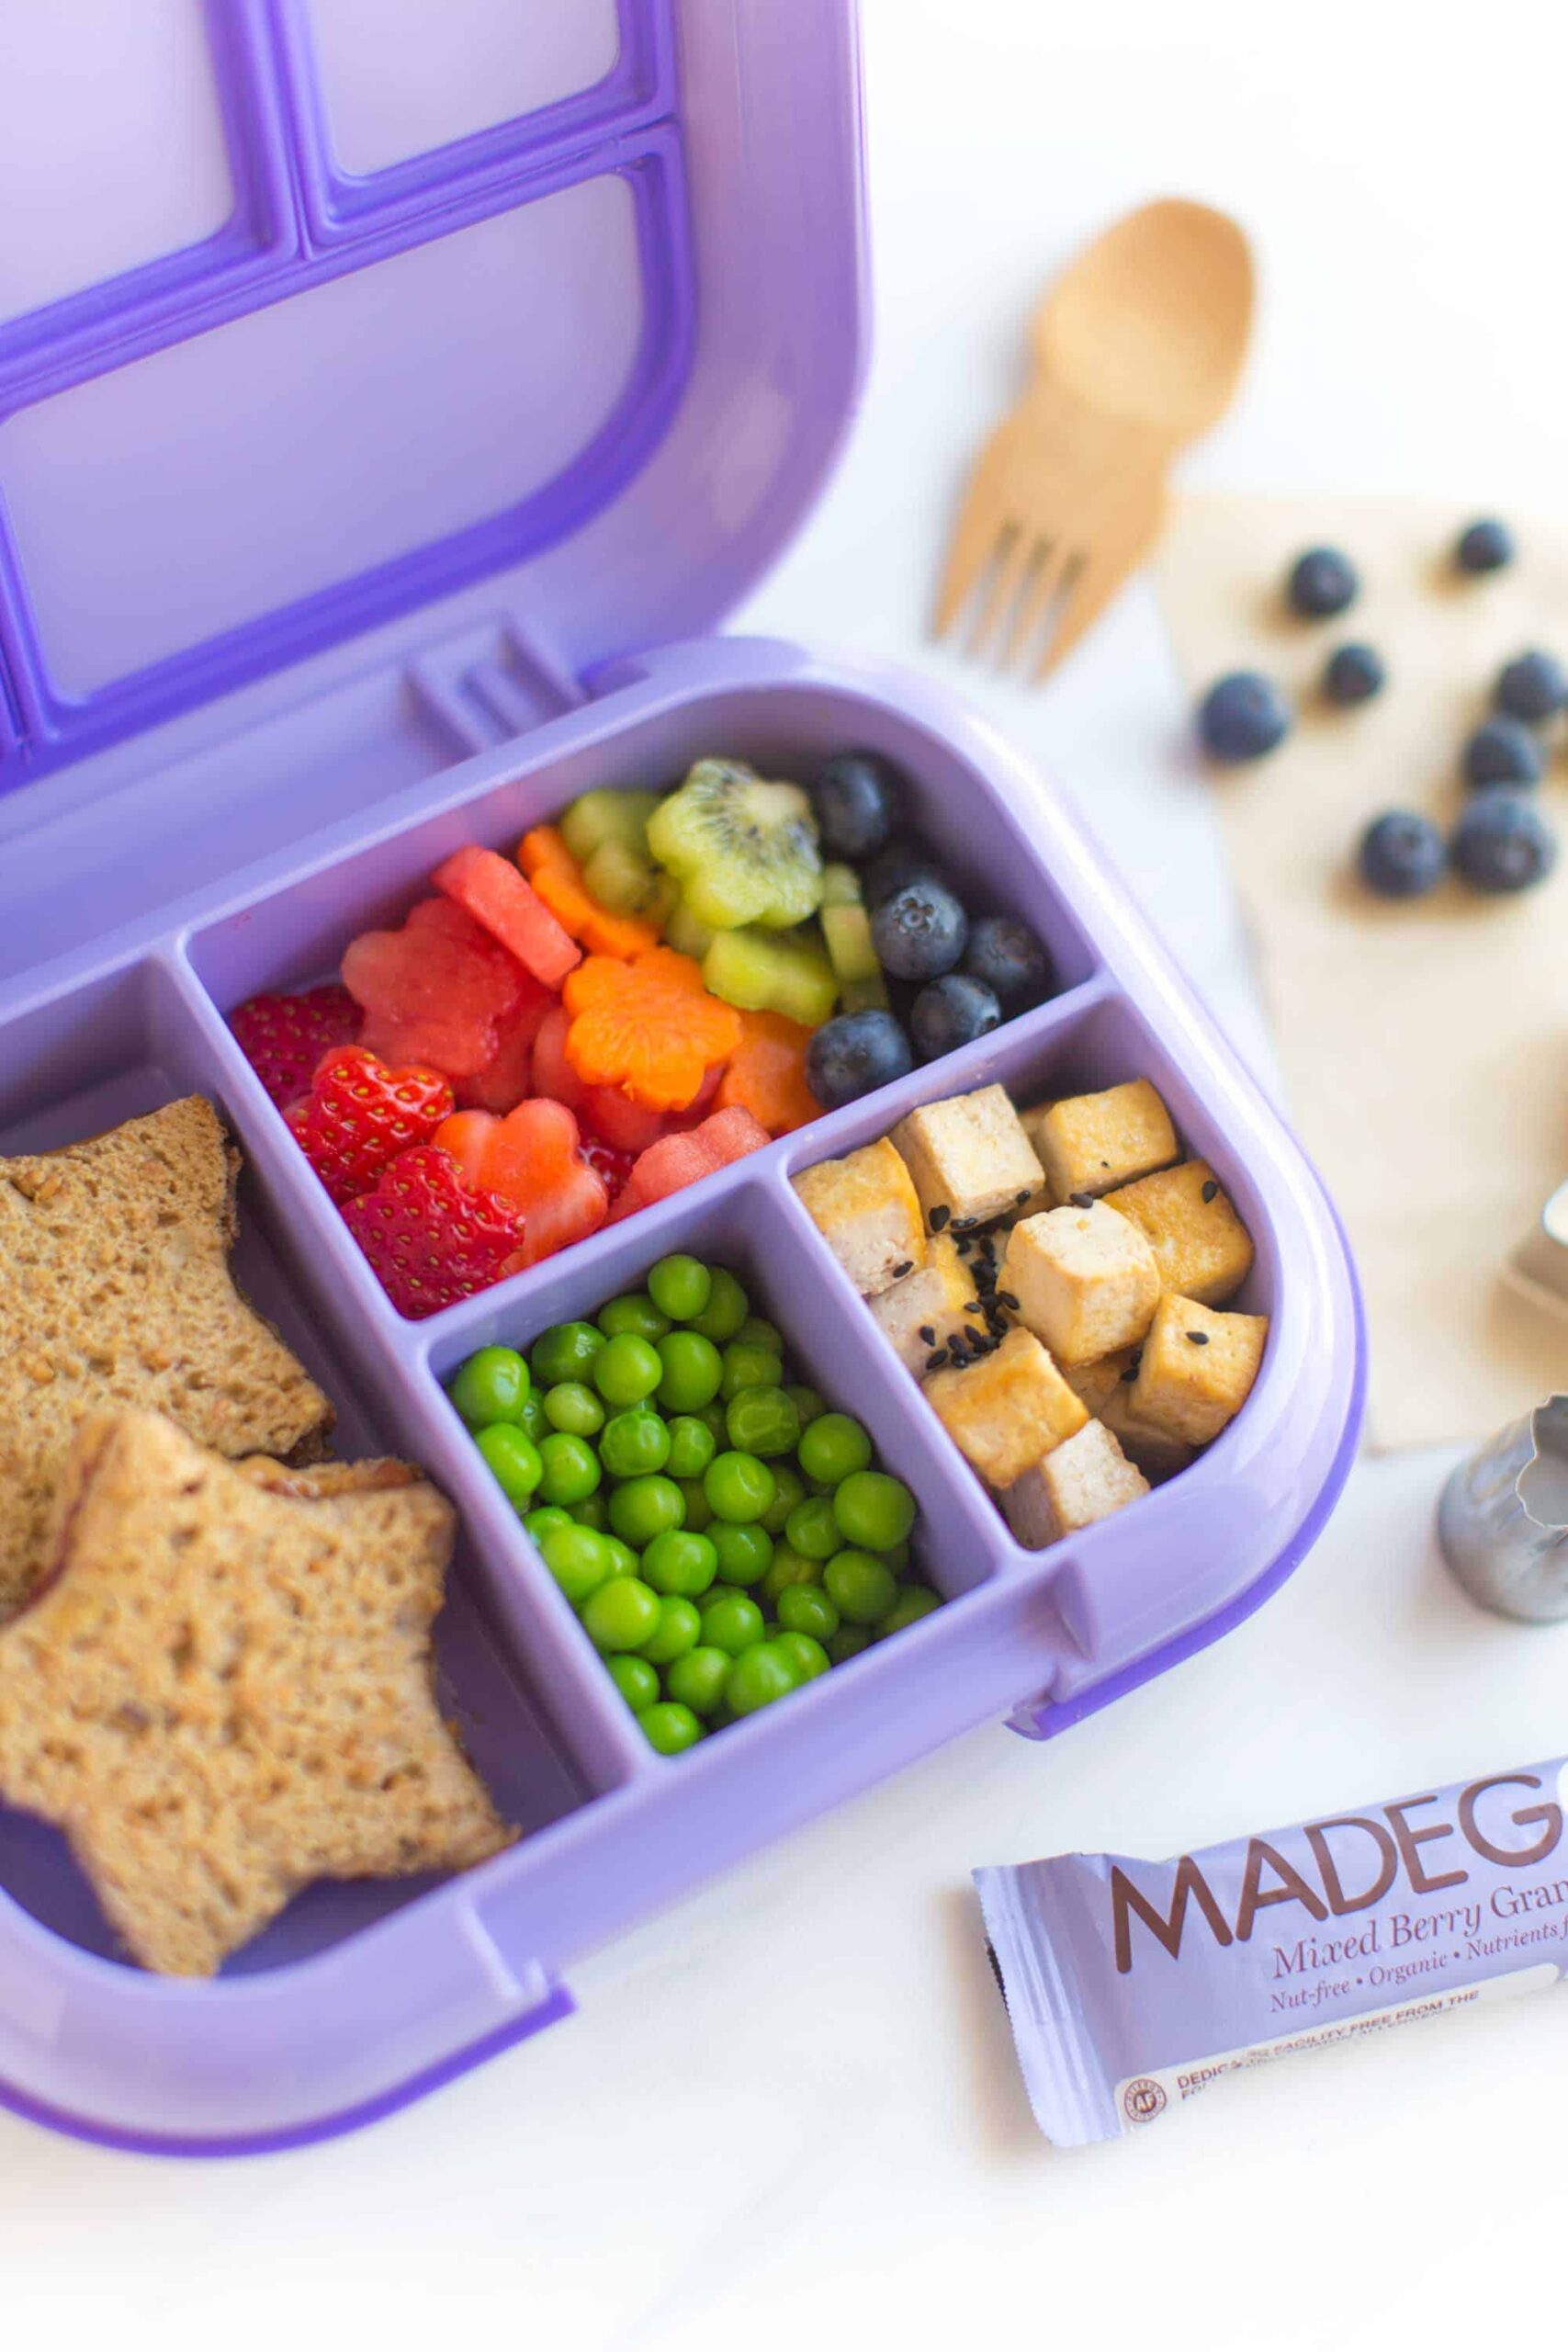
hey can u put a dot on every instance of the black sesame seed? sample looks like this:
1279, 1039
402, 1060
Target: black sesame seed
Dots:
970, 1307
1082, 1200
928, 1333
905, 1266
1008, 1298
1211, 1190
964, 1224
937, 1358
1130, 1372
1198, 1339
1024, 1195
938, 1217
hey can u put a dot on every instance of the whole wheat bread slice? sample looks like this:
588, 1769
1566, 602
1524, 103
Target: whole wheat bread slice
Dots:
223, 1689
115, 1288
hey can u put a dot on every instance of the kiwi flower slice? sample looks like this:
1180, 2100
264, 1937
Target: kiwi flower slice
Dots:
744, 850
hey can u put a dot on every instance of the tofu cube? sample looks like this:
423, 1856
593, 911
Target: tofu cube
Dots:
1204, 1249
1043, 1197
866, 1210
1096, 1382
1007, 1410
923, 1312
969, 1156
1157, 1454
1086, 1477
1197, 1369
1085, 1280
1091, 1143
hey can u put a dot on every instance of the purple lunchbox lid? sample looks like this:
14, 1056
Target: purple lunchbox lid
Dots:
578, 312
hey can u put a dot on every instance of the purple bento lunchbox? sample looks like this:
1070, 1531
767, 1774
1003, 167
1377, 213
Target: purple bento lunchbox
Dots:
394, 397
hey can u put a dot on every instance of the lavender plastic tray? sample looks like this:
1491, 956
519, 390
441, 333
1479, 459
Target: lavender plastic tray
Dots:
361, 1997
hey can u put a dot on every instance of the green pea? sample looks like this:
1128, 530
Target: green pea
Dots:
697, 1679
690, 1370
807, 1609
699, 1510
564, 1352
731, 1621
621, 1615
490, 1387
805, 1653
738, 1486
572, 1406
634, 1311
680, 1287
808, 1403
691, 1446
910, 1604
749, 1367
712, 1418
757, 1332
811, 1528
590, 1511
637, 1681
546, 1516
576, 1559
570, 1468
679, 1561
626, 1369
762, 1420
897, 1556
669, 1729
623, 1561
833, 1446
763, 1675
789, 1489
848, 1643
633, 1443
875, 1512
859, 1586
788, 1568
512, 1460
679, 1629
743, 1552
645, 1507
727, 1309
530, 1416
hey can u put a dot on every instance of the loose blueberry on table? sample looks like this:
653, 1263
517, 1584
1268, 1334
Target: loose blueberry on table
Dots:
1485, 545
668, 1495
1243, 716
1354, 673
1532, 687
1502, 752
1321, 583
643, 993
1502, 843
1402, 855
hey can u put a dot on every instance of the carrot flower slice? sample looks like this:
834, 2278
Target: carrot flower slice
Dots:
558, 880
649, 1025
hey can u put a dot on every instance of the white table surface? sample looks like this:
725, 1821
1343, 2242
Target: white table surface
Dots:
793, 2102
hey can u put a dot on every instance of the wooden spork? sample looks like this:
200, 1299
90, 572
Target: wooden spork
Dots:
1137, 350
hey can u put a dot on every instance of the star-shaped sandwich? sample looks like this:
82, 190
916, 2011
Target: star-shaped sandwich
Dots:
115, 1289
223, 1689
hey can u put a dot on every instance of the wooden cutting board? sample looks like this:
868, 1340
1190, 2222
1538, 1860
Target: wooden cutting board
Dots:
1424, 1047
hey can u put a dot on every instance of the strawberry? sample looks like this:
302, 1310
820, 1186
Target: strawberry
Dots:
283, 1037
359, 1116
430, 1237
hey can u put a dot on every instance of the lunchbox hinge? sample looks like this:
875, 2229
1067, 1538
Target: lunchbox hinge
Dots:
488, 685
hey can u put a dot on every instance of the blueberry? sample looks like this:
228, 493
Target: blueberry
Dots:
899, 862
853, 1053
1354, 673
951, 1012
1402, 855
1502, 752
1243, 716
854, 797
1005, 954
1502, 842
1532, 687
1323, 582
919, 932
1485, 546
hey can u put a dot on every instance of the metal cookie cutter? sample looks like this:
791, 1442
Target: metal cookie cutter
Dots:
1539, 1265
1503, 1519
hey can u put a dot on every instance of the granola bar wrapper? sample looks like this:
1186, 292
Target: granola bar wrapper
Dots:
1132, 1985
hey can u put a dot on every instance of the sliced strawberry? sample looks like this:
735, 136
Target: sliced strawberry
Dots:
359, 1116
431, 1238
490, 889
283, 1037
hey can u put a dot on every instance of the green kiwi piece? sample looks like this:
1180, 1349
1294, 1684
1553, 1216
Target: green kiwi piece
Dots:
618, 877
768, 972
841, 887
606, 816
744, 850
846, 930
684, 932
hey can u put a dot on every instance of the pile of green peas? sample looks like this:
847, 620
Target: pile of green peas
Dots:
722, 1536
